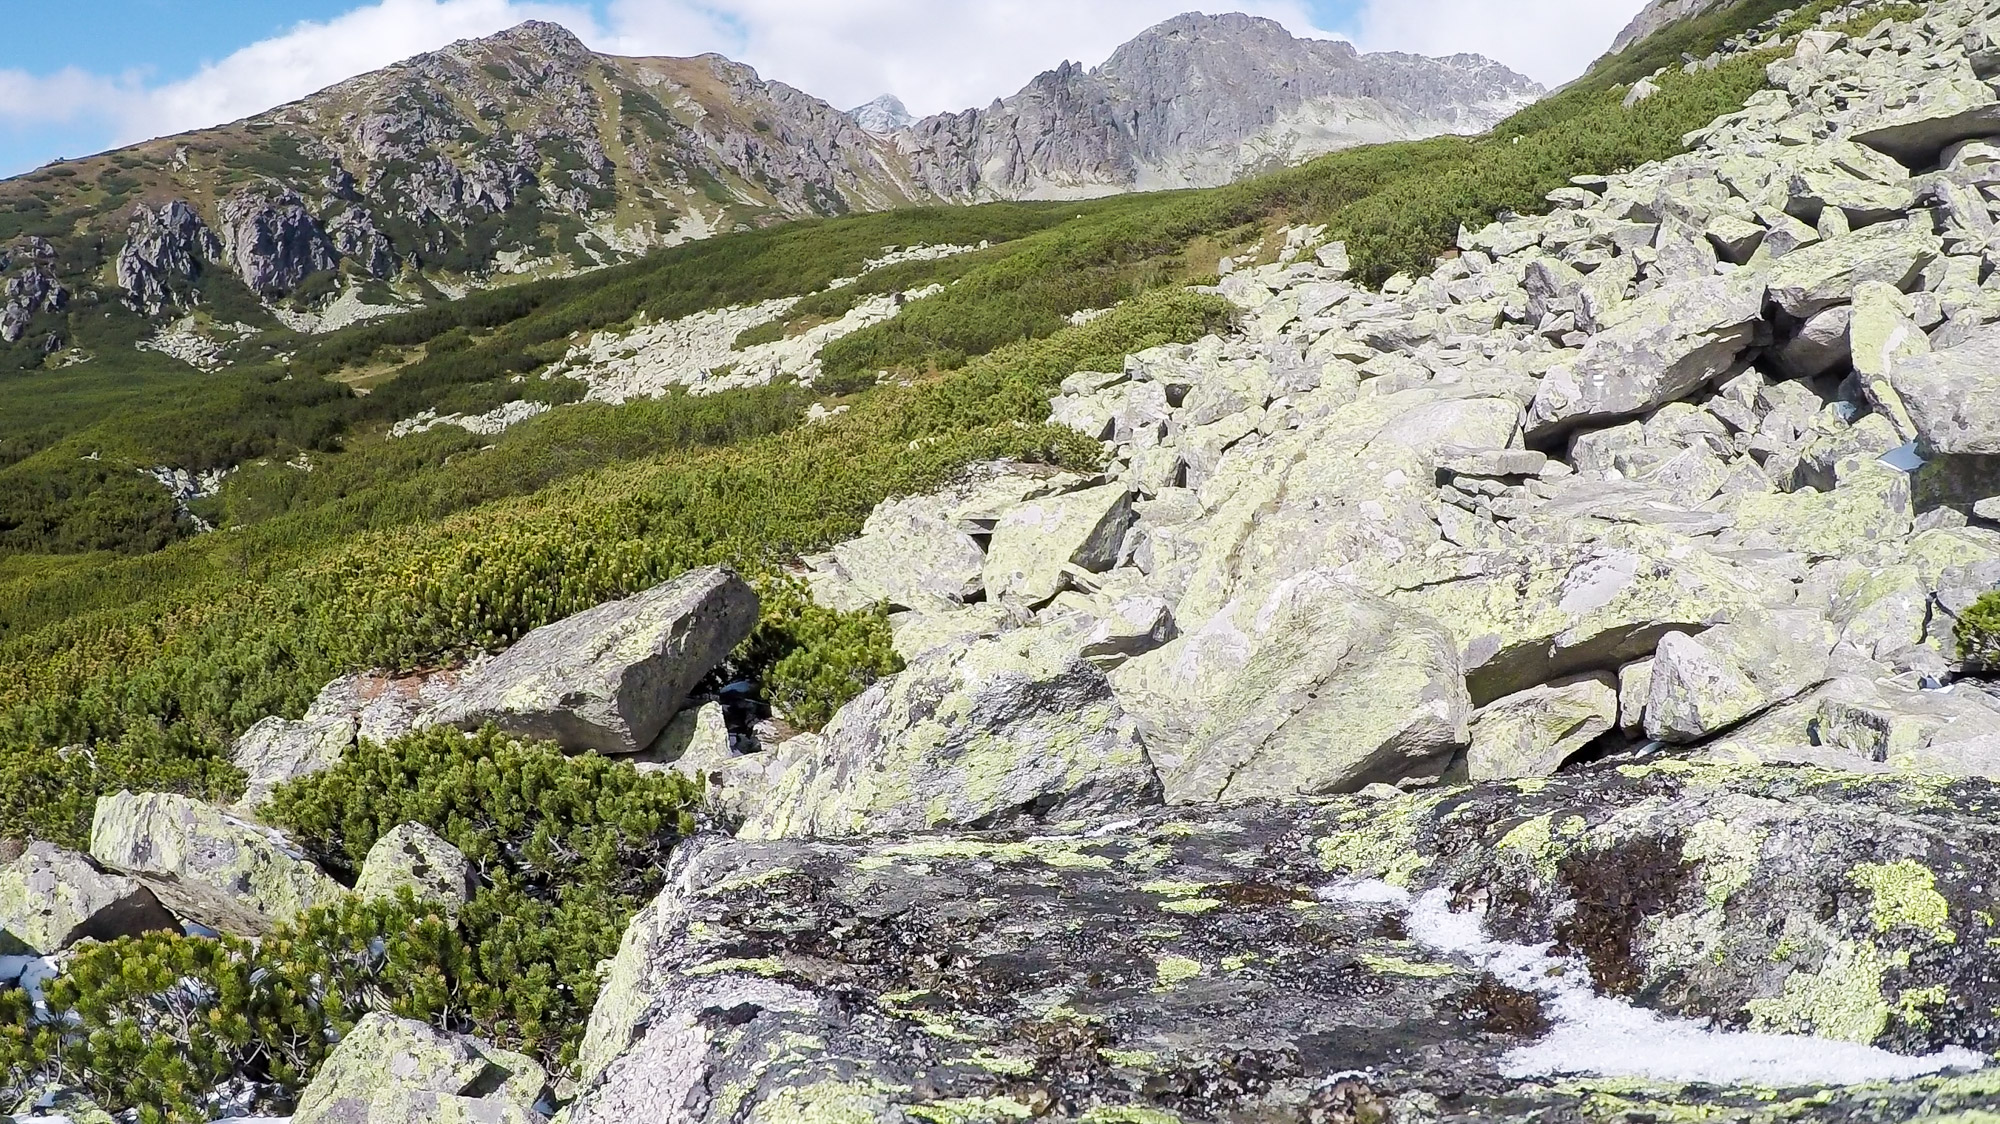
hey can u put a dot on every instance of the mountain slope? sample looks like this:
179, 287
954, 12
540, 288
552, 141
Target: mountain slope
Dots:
526, 154
1199, 101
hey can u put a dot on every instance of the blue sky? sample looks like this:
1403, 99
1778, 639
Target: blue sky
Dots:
87, 75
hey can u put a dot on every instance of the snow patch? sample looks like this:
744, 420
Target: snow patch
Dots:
1599, 1036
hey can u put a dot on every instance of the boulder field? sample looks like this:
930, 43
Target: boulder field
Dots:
1527, 691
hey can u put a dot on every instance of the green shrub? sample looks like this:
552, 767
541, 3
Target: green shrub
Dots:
156, 1023
1979, 634
568, 850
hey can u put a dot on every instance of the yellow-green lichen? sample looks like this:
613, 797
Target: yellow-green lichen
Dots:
1397, 966
1131, 1059
748, 881
1169, 889
1176, 970
1127, 1114
829, 1102
761, 966
1380, 840
1728, 855
1056, 852
1238, 963
1906, 896
1007, 1065
1191, 905
1914, 1005
1843, 1000
970, 1110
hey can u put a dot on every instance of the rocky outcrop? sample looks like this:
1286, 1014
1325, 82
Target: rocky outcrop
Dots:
608, 680
1198, 101
395, 1071
884, 116
205, 865
32, 291
273, 241
51, 898
166, 248
1305, 961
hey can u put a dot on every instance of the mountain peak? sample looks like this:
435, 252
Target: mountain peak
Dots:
540, 36
886, 114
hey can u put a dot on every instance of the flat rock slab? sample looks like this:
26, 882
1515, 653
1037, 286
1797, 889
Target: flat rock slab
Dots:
609, 680
1184, 965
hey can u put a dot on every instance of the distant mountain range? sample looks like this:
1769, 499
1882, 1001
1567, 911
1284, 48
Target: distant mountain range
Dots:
527, 154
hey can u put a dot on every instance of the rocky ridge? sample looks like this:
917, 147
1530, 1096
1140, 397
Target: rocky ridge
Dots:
1147, 119
525, 154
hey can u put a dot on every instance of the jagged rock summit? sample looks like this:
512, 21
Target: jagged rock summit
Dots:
884, 115
1198, 101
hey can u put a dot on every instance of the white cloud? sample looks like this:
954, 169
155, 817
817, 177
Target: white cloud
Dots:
1551, 41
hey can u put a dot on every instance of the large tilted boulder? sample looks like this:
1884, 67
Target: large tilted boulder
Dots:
206, 865
1953, 395
396, 1071
1705, 684
51, 898
1252, 957
1665, 346
1535, 613
1017, 727
1315, 687
1820, 276
1035, 544
415, 858
610, 679
1531, 734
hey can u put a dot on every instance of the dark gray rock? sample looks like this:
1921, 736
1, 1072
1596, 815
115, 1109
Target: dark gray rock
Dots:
1223, 965
165, 251
273, 242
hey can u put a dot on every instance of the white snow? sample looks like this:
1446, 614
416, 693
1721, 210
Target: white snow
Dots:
1599, 1036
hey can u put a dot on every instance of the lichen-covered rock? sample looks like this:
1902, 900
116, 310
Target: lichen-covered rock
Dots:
276, 751
396, 1071
415, 858
1817, 277
1315, 687
608, 680
1531, 734
926, 552
1705, 684
1534, 613
51, 898
1017, 727
1186, 965
1953, 395
1871, 503
1035, 544
205, 865
1664, 346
